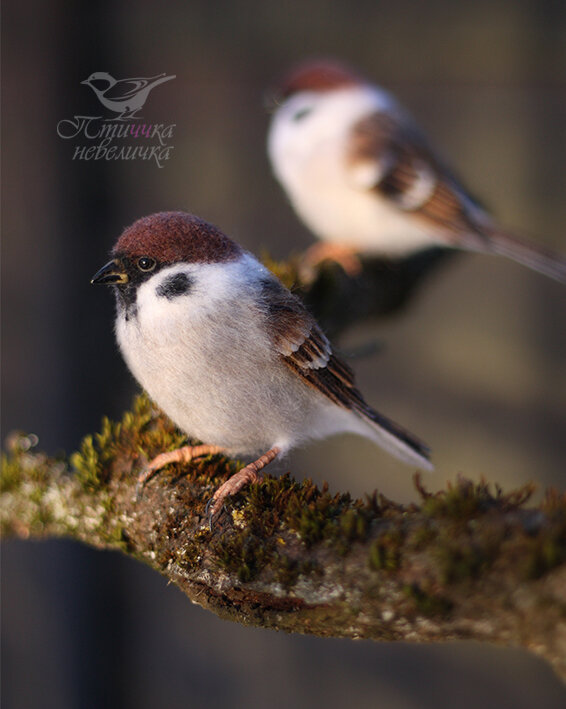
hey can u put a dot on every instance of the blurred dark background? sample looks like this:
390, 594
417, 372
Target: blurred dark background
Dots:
475, 366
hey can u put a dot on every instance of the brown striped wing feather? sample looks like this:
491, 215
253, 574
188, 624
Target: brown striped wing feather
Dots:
412, 177
305, 349
408, 164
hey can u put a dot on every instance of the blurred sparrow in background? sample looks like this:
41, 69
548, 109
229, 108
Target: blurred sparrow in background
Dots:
364, 180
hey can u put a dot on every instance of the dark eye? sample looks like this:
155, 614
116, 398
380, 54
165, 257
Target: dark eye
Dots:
302, 113
146, 263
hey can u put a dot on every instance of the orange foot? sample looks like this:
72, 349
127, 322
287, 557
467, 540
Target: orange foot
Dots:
243, 477
180, 455
346, 256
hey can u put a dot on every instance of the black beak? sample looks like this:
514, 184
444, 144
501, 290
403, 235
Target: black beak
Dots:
110, 275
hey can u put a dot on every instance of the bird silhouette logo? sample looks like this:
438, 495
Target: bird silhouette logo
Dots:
123, 96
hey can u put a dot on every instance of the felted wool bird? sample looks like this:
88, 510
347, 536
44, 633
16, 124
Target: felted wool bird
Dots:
229, 354
364, 179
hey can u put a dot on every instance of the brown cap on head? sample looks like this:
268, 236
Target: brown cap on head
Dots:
317, 75
170, 237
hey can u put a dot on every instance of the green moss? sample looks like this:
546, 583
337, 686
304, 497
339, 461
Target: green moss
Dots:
191, 552
317, 516
11, 473
246, 555
143, 432
314, 515
267, 503
353, 525
286, 271
87, 464
20, 464
287, 571
241, 553
118, 538
280, 504
277, 508
460, 559
466, 499
311, 525
554, 504
421, 537
547, 550
385, 552
426, 603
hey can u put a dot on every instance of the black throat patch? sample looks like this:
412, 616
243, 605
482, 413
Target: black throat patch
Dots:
126, 298
174, 286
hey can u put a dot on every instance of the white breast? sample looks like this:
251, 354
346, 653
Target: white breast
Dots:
205, 358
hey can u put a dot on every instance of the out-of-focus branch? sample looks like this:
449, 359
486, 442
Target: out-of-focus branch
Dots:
380, 290
467, 562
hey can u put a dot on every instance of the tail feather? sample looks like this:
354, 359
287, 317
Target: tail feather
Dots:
395, 439
526, 253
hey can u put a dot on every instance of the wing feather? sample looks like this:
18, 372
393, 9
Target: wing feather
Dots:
305, 349
413, 177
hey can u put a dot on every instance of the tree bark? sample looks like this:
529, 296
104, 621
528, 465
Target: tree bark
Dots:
466, 562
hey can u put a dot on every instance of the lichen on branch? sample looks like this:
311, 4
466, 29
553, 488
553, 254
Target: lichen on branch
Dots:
469, 561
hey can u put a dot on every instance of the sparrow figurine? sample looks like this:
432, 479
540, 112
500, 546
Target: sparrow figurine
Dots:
124, 96
229, 354
364, 179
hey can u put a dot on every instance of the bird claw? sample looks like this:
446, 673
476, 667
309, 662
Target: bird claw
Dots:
183, 455
140, 485
210, 512
245, 476
314, 257
144, 478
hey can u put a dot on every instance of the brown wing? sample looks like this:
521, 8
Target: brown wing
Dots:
306, 350
411, 176
303, 346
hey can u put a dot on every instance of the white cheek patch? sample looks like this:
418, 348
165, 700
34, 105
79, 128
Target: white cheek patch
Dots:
161, 297
186, 293
325, 116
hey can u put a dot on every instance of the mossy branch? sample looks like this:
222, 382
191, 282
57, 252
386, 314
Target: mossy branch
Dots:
467, 562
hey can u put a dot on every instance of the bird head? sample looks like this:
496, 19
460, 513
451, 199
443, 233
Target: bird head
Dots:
100, 80
314, 103
161, 240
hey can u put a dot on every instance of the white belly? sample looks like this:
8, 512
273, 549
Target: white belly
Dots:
219, 381
337, 211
